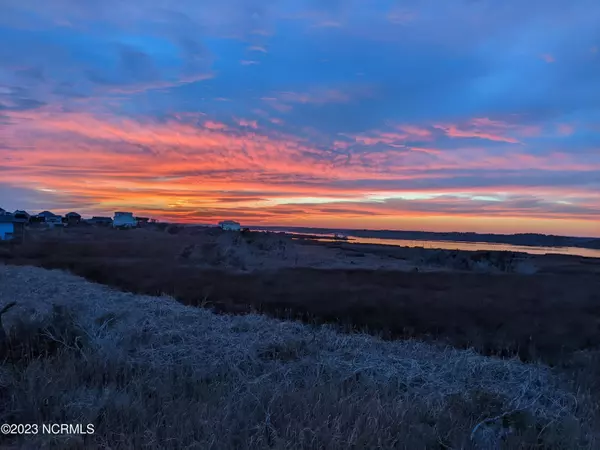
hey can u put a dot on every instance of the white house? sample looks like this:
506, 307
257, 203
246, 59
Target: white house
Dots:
230, 225
124, 220
7, 227
50, 219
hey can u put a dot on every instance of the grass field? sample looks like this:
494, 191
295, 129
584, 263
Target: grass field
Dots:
149, 372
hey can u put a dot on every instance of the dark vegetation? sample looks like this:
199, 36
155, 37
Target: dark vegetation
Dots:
544, 316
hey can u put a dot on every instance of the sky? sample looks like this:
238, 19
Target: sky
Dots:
469, 115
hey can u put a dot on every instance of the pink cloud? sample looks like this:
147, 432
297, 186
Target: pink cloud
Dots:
248, 63
276, 121
341, 145
211, 125
248, 123
492, 130
429, 151
481, 128
414, 131
548, 58
276, 104
565, 129
394, 139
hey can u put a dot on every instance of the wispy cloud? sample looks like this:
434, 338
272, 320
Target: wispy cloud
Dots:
401, 16
328, 24
565, 129
491, 130
248, 123
258, 48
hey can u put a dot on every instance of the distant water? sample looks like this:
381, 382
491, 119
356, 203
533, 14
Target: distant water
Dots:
458, 245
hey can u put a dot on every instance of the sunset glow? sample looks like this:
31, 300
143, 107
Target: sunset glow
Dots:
467, 116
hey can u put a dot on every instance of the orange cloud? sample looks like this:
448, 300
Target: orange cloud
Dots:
174, 169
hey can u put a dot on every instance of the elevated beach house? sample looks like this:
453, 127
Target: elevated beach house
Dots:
7, 227
124, 220
230, 225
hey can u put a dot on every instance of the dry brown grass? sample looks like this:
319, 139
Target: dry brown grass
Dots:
152, 373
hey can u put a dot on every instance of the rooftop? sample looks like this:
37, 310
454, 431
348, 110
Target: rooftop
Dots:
47, 214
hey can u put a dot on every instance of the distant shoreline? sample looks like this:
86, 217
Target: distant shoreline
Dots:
523, 239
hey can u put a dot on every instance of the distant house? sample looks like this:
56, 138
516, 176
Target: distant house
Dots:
44, 215
7, 227
141, 221
73, 218
230, 225
124, 220
50, 219
21, 216
101, 221
11, 229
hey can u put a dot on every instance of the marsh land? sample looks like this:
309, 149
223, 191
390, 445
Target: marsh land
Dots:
501, 348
